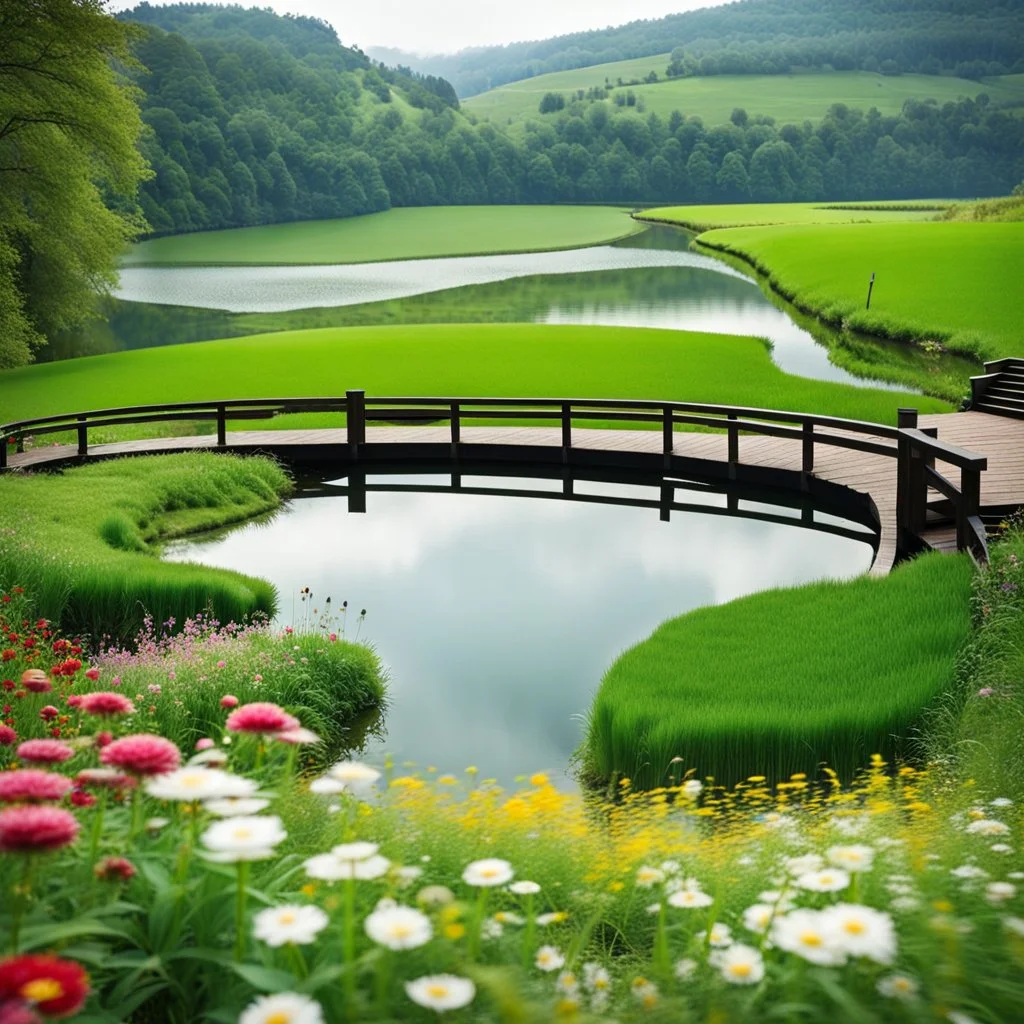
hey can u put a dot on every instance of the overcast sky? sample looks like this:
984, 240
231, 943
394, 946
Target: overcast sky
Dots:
444, 26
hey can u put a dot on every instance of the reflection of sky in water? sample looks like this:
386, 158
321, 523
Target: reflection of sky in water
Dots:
497, 617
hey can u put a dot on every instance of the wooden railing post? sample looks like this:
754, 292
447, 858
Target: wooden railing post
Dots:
3, 452
734, 445
566, 430
968, 505
906, 419
808, 446
83, 436
222, 427
455, 414
668, 492
667, 431
355, 420
357, 491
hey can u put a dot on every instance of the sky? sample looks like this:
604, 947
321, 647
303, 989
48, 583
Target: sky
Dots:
444, 26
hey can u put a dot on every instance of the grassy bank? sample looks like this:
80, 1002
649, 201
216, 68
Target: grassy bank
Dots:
85, 541
784, 680
736, 215
402, 234
953, 283
532, 360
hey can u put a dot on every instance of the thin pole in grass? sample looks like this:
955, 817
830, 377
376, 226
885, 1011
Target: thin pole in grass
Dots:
871, 285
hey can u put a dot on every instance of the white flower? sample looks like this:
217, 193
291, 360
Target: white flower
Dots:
721, 936
491, 929
554, 917
298, 735
441, 992
827, 880
354, 776
779, 900
1000, 892
1001, 848
685, 969
757, 917
596, 978
888, 842
806, 933
739, 964
689, 899
435, 895
905, 904
691, 788
399, 928
507, 917
325, 786
645, 991
670, 867
566, 984
289, 923
653, 908
969, 872
646, 877
212, 758
1017, 876
244, 838
407, 875
956, 1017
354, 851
804, 864
1015, 925
1001, 801
524, 888
199, 784
861, 931
232, 806
988, 827
282, 1008
385, 903
897, 986
329, 868
851, 826
549, 959
851, 858
488, 872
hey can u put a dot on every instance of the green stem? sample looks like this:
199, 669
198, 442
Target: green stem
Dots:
477, 924
137, 797
661, 957
298, 960
348, 949
240, 936
528, 933
21, 902
383, 979
97, 827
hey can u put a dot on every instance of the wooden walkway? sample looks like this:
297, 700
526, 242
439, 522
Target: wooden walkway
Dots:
999, 438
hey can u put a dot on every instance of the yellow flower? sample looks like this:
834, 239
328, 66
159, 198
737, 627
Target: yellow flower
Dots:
538, 779
454, 931
447, 780
616, 886
308, 889
943, 906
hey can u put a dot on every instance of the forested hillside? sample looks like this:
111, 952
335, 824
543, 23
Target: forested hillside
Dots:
254, 118
965, 37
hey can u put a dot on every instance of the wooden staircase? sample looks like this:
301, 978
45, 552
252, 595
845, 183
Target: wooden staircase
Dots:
1000, 390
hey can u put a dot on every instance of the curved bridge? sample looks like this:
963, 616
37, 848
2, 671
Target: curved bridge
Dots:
921, 491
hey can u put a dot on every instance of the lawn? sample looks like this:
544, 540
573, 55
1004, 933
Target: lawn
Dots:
487, 360
736, 215
779, 681
787, 98
413, 233
957, 283
85, 541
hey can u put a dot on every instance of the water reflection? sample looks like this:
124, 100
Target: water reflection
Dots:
498, 615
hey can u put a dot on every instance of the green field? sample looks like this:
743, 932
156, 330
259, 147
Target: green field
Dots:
531, 360
412, 233
951, 282
787, 98
735, 215
780, 681
85, 542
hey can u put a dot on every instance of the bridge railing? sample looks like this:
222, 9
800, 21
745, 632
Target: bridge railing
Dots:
914, 451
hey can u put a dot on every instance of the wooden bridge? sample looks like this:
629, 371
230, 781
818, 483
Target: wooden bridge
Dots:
922, 490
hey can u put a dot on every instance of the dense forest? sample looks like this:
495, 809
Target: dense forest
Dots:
969, 38
254, 118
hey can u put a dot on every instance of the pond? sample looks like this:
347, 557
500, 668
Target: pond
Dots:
498, 607
650, 279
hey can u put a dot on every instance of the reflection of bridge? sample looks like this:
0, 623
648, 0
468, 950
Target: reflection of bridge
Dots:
903, 476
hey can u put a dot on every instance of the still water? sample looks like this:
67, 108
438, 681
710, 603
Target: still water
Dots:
648, 280
498, 615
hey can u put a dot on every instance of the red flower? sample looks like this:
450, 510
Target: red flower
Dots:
79, 798
92, 673
114, 868
73, 700
7, 736
55, 732
103, 702
104, 738
48, 713
55, 987
9, 654
35, 680
28, 785
261, 717
8, 685
103, 778
142, 754
45, 751
229, 700
36, 830
17, 1012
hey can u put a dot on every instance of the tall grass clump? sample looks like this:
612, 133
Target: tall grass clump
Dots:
783, 681
86, 541
978, 730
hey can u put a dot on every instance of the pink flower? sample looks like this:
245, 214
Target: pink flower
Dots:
334, 637
31, 785
116, 681
229, 700
986, 691
114, 868
35, 681
92, 673
297, 736
154, 687
74, 700
257, 678
49, 713
103, 778
36, 829
204, 744
18, 1012
79, 798
45, 751
103, 738
105, 703
221, 664
261, 717
7, 736
142, 754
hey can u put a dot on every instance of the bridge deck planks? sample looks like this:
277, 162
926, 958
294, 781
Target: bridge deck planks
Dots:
999, 438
